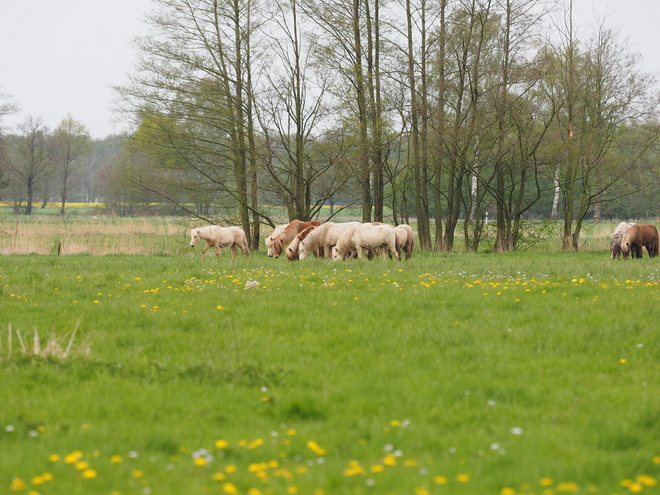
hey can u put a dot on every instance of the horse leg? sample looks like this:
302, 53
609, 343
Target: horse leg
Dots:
204, 250
233, 252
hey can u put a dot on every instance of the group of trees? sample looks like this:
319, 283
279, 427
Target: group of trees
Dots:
442, 110
37, 165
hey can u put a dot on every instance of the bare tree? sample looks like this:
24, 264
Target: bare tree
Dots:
72, 142
31, 157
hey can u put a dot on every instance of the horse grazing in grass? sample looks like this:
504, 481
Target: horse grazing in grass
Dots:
220, 237
288, 234
269, 239
405, 240
366, 236
322, 239
639, 235
292, 248
615, 243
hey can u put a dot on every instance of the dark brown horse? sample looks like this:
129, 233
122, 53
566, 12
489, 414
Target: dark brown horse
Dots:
288, 234
638, 236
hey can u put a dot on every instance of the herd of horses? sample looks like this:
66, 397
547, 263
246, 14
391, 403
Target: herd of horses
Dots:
344, 241
299, 240
629, 239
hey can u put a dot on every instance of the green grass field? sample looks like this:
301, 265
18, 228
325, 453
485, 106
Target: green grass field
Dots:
522, 373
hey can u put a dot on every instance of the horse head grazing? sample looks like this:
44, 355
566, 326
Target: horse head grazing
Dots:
615, 248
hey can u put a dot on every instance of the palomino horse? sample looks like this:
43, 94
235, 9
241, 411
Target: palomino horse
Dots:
639, 235
220, 237
366, 236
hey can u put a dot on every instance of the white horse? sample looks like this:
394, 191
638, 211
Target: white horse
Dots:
323, 238
616, 246
269, 239
220, 237
366, 236
405, 240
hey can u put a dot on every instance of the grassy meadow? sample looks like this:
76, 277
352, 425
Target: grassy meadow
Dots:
149, 372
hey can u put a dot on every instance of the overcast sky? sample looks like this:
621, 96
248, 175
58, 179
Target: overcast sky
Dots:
62, 57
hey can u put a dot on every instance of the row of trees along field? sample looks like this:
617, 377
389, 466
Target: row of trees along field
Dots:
442, 111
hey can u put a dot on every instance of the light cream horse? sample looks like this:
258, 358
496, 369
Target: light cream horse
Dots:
323, 238
366, 236
405, 240
220, 237
616, 247
269, 239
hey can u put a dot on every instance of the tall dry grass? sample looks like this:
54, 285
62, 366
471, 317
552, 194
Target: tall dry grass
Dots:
93, 235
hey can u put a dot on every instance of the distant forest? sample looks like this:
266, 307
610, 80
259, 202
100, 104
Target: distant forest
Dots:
442, 114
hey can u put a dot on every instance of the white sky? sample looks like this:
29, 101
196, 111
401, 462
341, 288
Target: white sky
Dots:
61, 57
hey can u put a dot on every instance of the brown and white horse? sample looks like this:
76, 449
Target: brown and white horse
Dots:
286, 235
638, 236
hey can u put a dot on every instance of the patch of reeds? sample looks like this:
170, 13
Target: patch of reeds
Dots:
56, 346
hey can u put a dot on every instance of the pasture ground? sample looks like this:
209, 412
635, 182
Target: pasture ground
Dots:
520, 373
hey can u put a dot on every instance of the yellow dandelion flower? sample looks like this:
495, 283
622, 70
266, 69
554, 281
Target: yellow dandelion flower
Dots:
647, 480
377, 468
421, 491
315, 448
17, 484
229, 488
463, 478
137, 473
231, 468
82, 465
219, 476
273, 464
567, 487
73, 457
547, 482
292, 490
319, 491
507, 491
221, 444
622, 361
291, 432
38, 480
53, 458
410, 462
635, 487
200, 461
116, 459
395, 422
89, 474
626, 482
254, 491
389, 460
656, 459
301, 470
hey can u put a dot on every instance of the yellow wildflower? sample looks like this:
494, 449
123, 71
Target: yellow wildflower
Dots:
229, 488
89, 474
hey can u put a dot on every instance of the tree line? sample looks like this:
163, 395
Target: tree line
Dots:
443, 110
